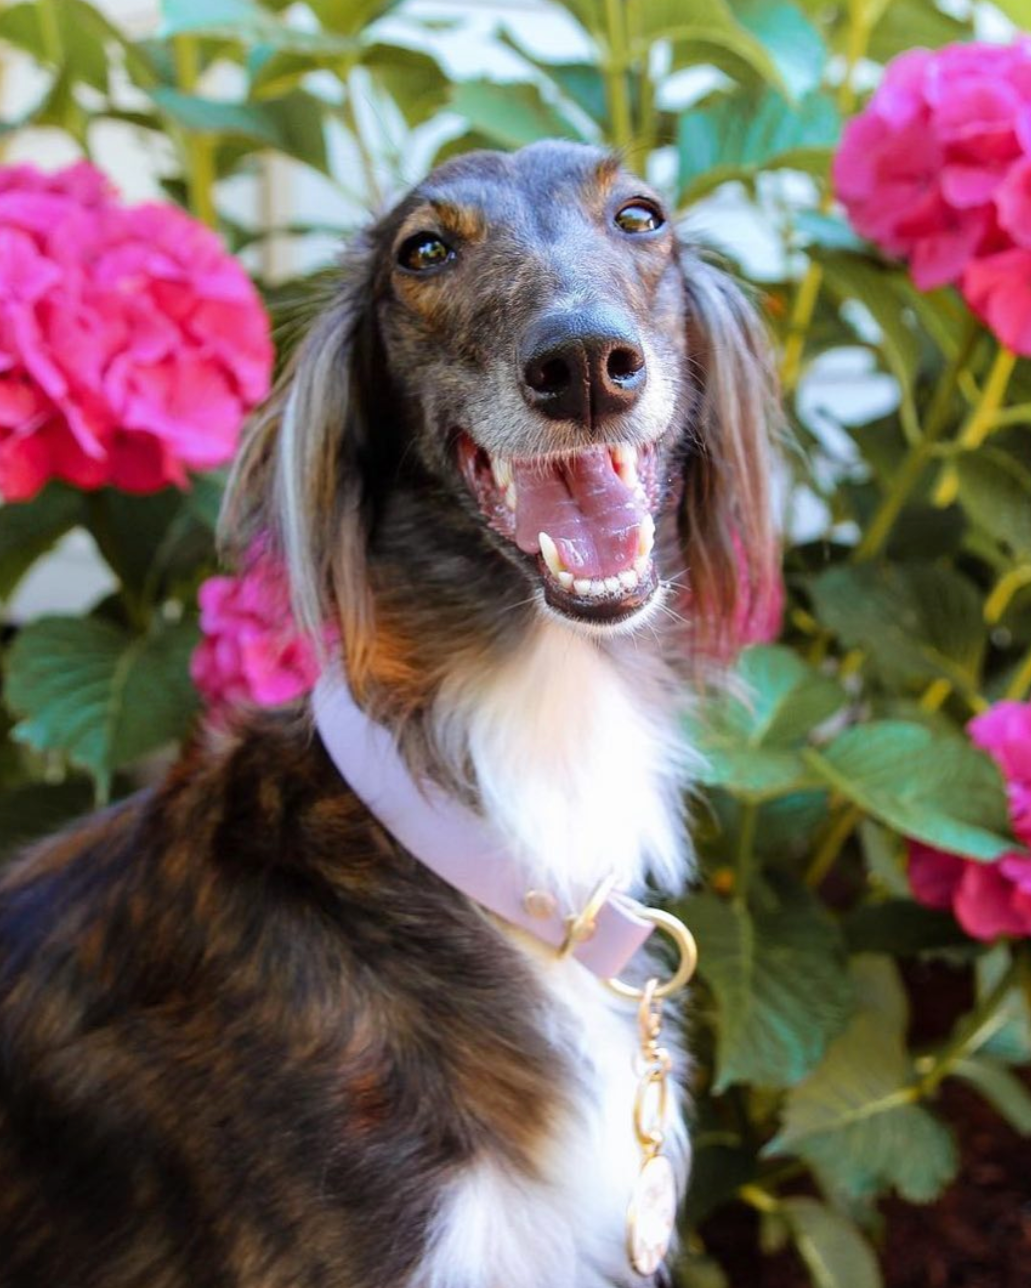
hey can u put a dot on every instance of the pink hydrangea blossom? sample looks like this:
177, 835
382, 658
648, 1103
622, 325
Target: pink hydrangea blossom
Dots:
923, 169
988, 899
131, 344
252, 651
998, 289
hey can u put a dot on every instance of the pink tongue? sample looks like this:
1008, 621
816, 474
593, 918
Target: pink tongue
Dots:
586, 509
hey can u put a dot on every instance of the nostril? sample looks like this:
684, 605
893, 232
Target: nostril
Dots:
549, 377
622, 363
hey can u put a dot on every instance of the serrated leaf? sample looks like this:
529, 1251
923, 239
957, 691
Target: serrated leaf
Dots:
794, 43
510, 115
737, 136
29, 529
99, 694
749, 741
916, 622
292, 124
708, 27
415, 81
1002, 1089
831, 1246
936, 788
995, 491
855, 1119
780, 983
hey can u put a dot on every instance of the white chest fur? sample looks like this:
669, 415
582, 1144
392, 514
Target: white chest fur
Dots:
579, 765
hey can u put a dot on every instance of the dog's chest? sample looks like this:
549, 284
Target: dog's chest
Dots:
583, 779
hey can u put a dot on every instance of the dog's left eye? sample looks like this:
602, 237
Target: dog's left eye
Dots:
424, 251
638, 217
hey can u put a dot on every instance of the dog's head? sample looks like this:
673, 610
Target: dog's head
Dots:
528, 398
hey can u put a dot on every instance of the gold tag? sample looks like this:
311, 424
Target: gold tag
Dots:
652, 1215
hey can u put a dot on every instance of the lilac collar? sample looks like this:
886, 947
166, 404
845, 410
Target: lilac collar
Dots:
458, 845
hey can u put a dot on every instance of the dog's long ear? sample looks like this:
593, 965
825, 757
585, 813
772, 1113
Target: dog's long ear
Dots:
298, 481
727, 525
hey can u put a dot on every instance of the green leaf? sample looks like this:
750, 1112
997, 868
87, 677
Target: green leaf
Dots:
510, 115
749, 742
916, 622
910, 24
704, 30
415, 81
104, 697
797, 47
995, 491
249, 23
350, 17
855, 1119
29, 529
780, 983
1009, 1037
1017, 11
582, 83
832, 1247
858, 278
84, 56
814, 228
179, 17
292, 124
1002, 1089
737, 136
901, 928
204, 497
933, 787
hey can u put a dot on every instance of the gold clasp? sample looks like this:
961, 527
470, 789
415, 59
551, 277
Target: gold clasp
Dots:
687, 948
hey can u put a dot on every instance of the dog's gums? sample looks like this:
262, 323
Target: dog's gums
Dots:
587, 517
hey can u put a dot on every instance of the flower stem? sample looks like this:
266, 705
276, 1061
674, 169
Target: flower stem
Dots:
51, 31
615, 75
832, 844
798, 325
197, 150
1019, 687
978, 1027
979, 423
919, 456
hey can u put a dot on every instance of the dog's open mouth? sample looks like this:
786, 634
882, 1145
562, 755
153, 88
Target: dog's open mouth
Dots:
586, 516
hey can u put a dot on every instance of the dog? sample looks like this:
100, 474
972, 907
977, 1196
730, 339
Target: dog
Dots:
248, 1039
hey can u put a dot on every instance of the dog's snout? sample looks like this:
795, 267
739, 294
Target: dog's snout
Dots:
583, 366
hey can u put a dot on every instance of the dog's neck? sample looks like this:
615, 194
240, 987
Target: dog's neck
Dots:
575, 754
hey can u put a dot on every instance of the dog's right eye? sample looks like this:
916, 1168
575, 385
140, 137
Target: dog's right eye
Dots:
424, 251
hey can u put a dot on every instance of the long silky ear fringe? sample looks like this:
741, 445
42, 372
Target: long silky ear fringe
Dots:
296, 483
727, 523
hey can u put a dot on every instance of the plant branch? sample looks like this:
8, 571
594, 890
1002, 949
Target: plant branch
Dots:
51, 31
840, 829
979, 1025
980, 421
615, 75
198, 151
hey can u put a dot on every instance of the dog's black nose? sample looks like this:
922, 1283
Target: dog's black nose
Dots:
583, 366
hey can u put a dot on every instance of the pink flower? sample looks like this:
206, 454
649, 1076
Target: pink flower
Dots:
988, 899
252, 650
131, 345
998, 290
923, 168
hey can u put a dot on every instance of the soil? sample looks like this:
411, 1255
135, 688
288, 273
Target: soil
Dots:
977, 1235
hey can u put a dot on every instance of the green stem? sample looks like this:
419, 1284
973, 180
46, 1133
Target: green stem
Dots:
197, 150
832, 844
745, 851
51, 31
919, 456
1018, 688
798, 325
979, 423
971, 1034
615, 75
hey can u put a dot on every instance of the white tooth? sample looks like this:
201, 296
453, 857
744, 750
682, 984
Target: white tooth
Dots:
549, 551
625, 459
597, 587
612, 585
502, 471
628, 580
582, 585
646, 535
565, 580
510, 496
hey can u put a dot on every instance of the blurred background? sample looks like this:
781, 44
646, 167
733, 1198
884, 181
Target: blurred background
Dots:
863, 1040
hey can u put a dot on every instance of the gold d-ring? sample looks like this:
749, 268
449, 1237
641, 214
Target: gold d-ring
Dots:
687, 947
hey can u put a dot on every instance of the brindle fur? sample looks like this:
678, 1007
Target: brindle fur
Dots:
245, 1040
